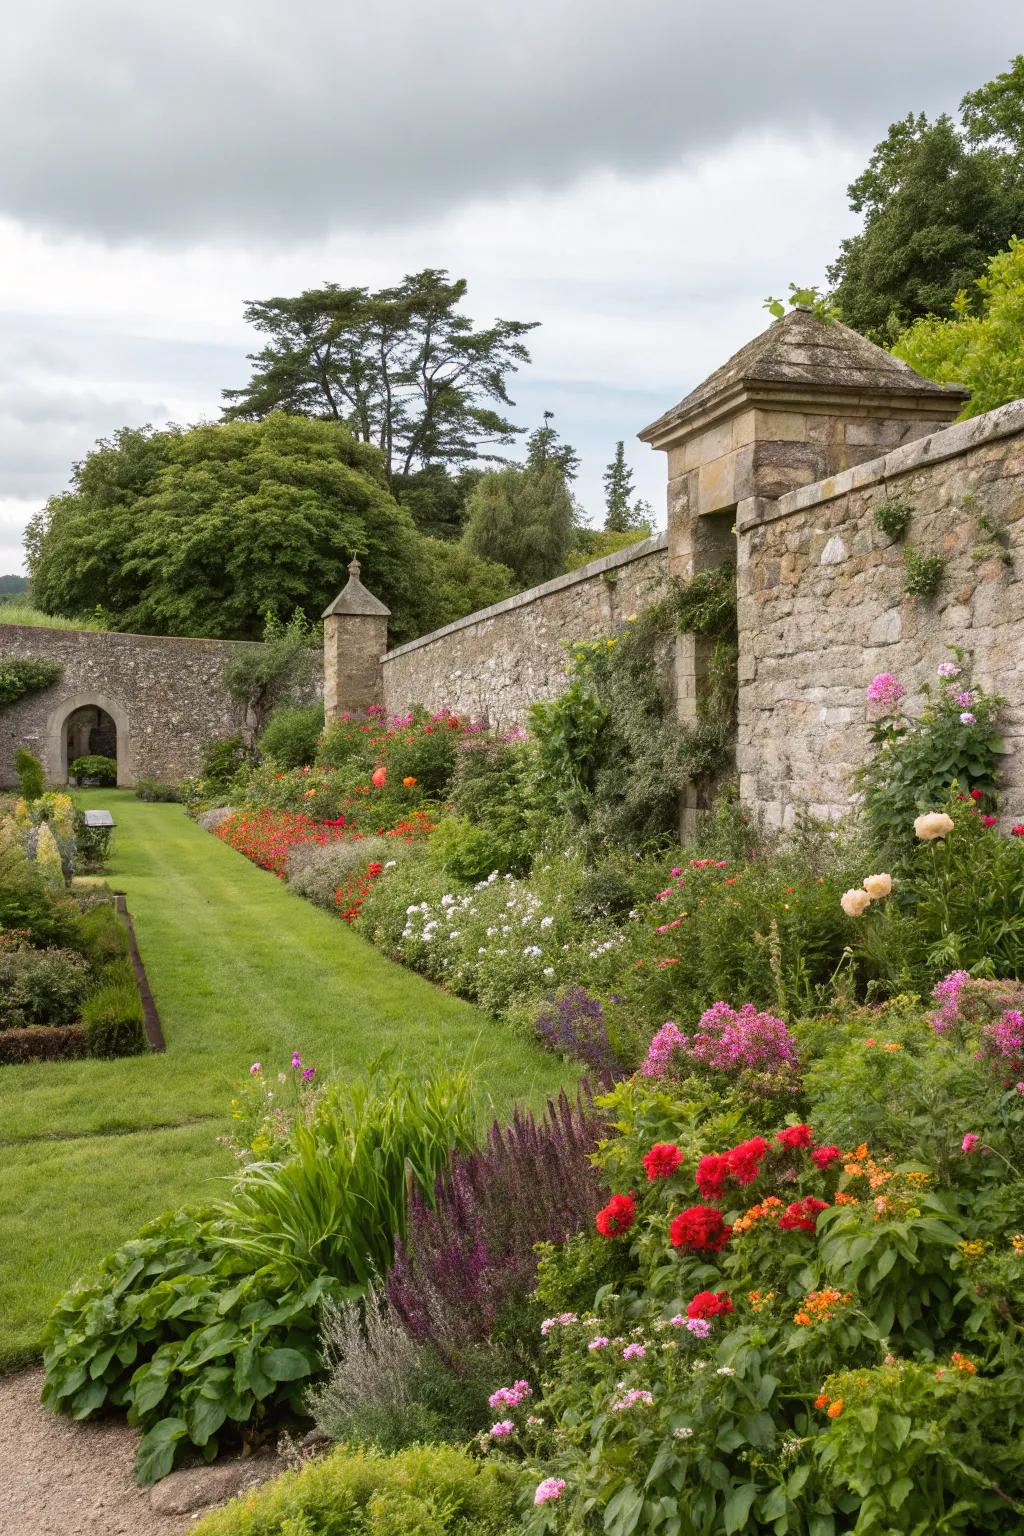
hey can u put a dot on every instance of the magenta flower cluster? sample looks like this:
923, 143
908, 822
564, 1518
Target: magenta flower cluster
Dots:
511, 1397
885, 691
947, 994
727, 1039
1002, 1043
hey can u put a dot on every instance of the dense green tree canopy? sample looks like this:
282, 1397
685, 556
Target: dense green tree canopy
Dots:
206, 531
938, 199
522, 518
402, 367
982, 344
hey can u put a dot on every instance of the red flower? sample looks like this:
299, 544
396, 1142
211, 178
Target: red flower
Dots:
701, 1229
339, 821
823, 1156
662, 1160
379, 777
977, 794
374, 868
988, 821
794, 1136
802, 1215
709, 1304
712, 1173
745, 1159
1018, 830
617, 1217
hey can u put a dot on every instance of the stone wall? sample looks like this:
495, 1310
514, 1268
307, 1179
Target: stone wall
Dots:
165, 696
822, 607
494, 664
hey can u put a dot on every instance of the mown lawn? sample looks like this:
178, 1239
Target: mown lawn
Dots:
241, 970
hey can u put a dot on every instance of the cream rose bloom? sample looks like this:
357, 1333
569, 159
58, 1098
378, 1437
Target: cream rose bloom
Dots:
878, 886
933, 824
855, 903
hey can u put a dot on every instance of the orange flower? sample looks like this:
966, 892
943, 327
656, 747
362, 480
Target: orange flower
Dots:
835, 1409
821, 1401
379, 777
962, 1364
409, 781
803, 1318
844, 1199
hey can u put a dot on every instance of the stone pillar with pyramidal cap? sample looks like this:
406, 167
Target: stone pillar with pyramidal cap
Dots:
355, 639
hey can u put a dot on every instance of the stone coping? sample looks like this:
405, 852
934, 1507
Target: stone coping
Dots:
948, 443
640, 551
122, 634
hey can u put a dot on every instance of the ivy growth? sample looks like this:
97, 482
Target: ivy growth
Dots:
21, 677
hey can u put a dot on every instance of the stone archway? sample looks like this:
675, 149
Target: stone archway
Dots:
57, 736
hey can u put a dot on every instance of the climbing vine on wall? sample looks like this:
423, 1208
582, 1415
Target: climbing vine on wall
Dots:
610, 748
19, 677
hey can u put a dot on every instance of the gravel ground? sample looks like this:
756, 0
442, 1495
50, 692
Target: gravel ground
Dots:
58, 1478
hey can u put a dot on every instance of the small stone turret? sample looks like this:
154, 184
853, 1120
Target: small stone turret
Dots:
355, 639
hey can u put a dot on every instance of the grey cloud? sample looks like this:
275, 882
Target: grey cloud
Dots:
259, 118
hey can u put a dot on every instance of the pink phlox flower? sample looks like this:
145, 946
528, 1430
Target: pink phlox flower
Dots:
502, 1428
599, 1343
256, 1069
550, 1488
947, 994
562, 1320
948, 669
631, 1399
969, 1142
664, 1044
634, 1352
963, 699
967, 718
511, 1397
700, 1327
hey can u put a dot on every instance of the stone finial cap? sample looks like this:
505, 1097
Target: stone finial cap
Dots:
797, 359
354, 598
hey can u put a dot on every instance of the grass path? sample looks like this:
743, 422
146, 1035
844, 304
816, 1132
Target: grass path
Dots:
241, 970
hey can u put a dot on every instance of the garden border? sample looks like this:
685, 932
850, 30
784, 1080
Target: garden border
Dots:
154, 1032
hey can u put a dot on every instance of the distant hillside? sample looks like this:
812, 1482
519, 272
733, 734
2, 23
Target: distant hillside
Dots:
13, 586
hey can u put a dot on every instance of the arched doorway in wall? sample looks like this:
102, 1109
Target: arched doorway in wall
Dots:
88, 725
89, 732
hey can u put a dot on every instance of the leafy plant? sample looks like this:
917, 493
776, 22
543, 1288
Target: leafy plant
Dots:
98, 771
112, 1015
20, 677
915, 760
923, 573
30, 774
261, 677
893, 516
41, 986
153, 791
292, 733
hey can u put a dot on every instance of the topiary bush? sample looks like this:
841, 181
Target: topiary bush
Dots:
112, 1016
292, 735
42, 1042
94, 772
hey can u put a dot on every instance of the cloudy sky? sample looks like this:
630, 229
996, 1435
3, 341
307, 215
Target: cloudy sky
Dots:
635, 174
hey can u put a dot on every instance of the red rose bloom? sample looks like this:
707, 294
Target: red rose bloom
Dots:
617, 1216
662, 1160
702, 1229
712, 1173
1018, 830
822, 1157
745, 1159
988, 821
795, 1136
802, 1215
977, 794
709, 1304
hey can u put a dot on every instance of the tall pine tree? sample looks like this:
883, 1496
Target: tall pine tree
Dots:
622, 513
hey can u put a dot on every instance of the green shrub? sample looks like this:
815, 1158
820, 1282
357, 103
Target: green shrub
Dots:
468, 852
46, 914
92, 843
603, 892
102, 937
346, 742
154, 791
30, 774
428, 1490
41, 986
494, 790
292, 734
426, 752
95, 772
112, 1015
21, 677
223, 759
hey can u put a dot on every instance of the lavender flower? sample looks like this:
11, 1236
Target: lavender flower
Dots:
573, 1025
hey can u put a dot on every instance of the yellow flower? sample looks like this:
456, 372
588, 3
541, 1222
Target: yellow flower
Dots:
1017, 1242
973, 1249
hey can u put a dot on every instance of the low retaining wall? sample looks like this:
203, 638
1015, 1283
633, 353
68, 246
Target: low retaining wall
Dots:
494, 664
